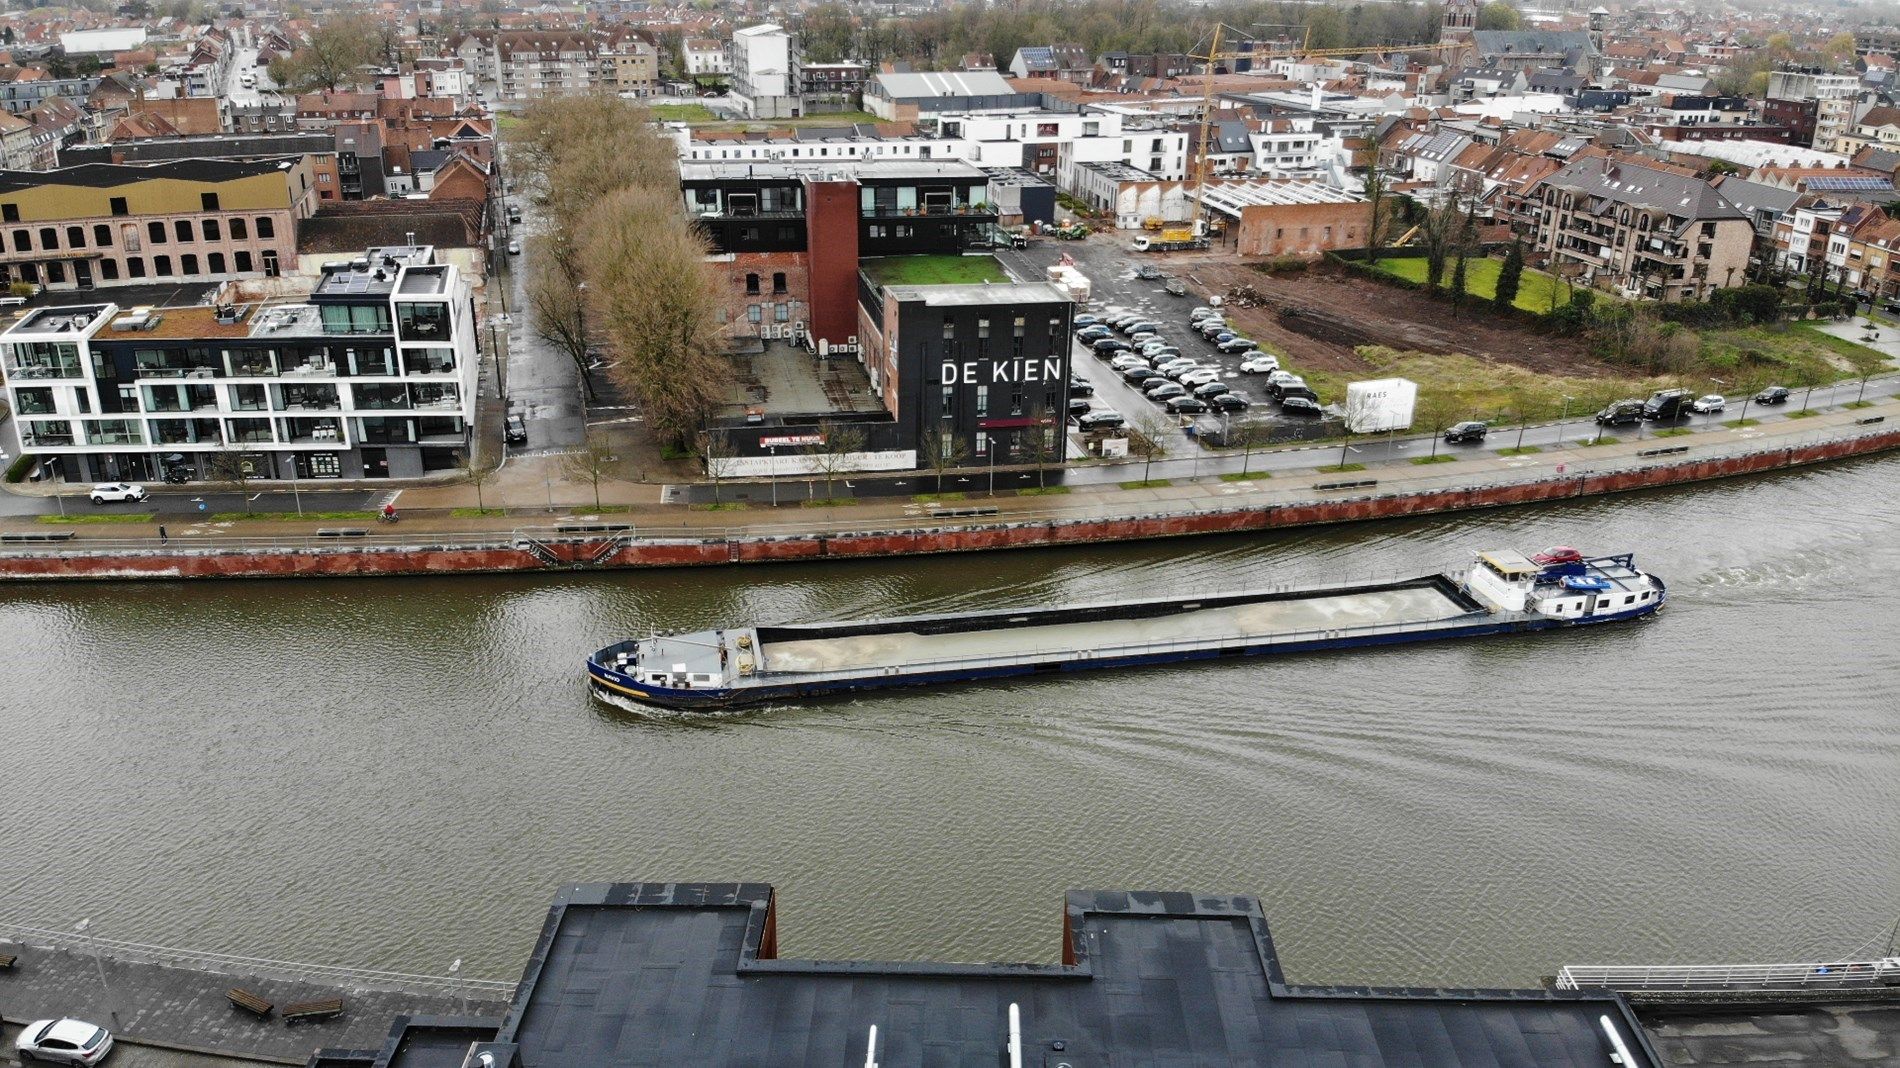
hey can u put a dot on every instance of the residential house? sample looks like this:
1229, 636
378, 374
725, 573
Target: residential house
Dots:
1642, 228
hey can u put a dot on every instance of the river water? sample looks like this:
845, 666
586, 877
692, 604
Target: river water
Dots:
395, 772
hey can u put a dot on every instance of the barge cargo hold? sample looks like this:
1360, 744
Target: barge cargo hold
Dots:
1502, 593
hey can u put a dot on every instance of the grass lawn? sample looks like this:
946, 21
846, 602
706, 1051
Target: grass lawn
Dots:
1042, 491
1602, 439
1805, 413
1520, 450
1341, 469
721, 506
1673, 432
1153, 483
1454, 387
1244, 476
1481, 280
934, 270
1441, 458
476, 513
1792, 354
107, 517
1858, 404
926, 498
694, 113
1740, 423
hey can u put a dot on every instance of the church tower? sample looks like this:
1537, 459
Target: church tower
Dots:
1461, 18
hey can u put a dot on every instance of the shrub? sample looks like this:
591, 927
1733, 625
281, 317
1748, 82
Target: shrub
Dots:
18, 468
1282, 265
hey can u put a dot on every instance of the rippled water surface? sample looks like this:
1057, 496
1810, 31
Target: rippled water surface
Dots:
399, 772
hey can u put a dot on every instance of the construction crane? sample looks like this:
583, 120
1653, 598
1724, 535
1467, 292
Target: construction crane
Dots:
1202, 164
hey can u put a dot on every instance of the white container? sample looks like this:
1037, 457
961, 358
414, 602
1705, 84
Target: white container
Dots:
1380, 404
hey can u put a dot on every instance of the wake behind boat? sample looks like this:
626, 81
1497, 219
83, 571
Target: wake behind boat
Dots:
1501, 593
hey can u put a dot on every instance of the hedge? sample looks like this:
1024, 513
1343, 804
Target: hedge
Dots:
18, 468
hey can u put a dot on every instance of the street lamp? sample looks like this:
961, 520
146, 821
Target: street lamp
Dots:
105, 989
1563, 417
455, 985
772, 475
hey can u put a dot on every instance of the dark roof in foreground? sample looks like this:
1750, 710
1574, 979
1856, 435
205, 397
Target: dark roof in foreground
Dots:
685, 973
108, 175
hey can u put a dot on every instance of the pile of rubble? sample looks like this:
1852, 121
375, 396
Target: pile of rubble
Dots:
1244, 296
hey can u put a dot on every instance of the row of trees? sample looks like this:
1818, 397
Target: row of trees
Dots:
620, 277
340, 53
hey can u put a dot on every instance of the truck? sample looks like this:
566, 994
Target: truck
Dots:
1666, 405
1170, 240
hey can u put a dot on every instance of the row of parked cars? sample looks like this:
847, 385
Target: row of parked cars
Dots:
1181, 384
1668, 405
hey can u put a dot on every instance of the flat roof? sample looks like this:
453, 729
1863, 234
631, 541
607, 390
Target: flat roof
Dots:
61, 319
686, 973
962, 295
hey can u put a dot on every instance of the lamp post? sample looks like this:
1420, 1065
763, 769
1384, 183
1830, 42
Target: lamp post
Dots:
1563, 417
455, 986
105, 989
772, 474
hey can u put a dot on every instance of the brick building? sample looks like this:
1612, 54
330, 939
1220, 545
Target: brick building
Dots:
1288, 218
1644, 230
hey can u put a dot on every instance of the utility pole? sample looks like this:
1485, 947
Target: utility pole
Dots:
98, 960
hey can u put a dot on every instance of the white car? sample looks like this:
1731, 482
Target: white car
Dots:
1200, 376
67, 1041
1202, 312
107, 492
514, 248
1710, 404
1260, 364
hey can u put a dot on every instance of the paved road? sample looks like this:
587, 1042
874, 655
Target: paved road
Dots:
543, 383
128, 1055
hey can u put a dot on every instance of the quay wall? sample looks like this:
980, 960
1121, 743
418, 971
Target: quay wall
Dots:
73, 561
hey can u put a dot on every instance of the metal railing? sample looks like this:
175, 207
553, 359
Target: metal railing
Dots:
1821, 975
258, 967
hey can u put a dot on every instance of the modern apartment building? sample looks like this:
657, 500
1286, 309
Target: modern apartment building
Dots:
1645, 231
706, 57
102, 224
1834, 96
372, 377
762, 72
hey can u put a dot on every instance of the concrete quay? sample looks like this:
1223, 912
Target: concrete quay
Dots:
652, 535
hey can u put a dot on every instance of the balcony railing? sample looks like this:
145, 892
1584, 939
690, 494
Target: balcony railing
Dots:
970, 211
24, 371
38, 440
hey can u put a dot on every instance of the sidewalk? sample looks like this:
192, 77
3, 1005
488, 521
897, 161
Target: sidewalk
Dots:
535, 498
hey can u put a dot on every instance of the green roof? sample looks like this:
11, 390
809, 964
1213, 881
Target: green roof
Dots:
934, 270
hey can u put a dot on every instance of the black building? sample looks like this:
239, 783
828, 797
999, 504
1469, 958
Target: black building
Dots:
904, 207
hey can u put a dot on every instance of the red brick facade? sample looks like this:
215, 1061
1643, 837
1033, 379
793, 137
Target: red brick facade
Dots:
766, 293
831, 221
1300, 229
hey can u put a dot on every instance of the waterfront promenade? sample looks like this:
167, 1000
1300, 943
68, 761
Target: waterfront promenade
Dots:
180, 1005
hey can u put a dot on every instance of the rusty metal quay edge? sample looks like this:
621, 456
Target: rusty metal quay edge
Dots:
547, 550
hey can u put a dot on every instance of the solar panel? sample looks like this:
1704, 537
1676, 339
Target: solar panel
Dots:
1850, 183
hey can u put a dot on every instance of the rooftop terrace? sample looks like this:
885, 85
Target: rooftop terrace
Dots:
933, 270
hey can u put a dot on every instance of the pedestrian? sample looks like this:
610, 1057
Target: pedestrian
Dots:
162, 538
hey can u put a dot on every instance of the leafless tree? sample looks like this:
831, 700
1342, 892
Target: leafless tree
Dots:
1149, 428
338, 52
714, 444
832, 452
477, 475
237, 467
943, 451
557, 303
589, 462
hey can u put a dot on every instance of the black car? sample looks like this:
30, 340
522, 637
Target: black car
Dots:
1103, 419
1666, 405
1081, 387
1773, 395
1079, 405
1228, 402
1111, 344
1471, 430
1136, 375
1093, 333
515, 431
1164, 390
1622, 413
1292, 393
1186, 405
1300, 406
1210, 390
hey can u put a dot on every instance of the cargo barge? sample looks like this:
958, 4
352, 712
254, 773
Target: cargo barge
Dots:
1501, 593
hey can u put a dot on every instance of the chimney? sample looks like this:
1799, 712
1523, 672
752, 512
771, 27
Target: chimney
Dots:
409, 238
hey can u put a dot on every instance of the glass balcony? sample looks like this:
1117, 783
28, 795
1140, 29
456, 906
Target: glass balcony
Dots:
46, 435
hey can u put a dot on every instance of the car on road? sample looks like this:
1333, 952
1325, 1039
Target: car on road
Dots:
1104, 419
1710, 404
1186, 405
116, 492
1081, 387
515, 430
66, 1041
1079, 405
514, 248
1621, 413
1469, 430
1229, 402
1667, 405
1261, 364
1200, 376
1301, 406
1773, 395
1237, 344
1165, 390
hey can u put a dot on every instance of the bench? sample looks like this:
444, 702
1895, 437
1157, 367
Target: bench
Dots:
961, 513
592, 528
1670, 450
7, 961
1870, 420
313, 1010
1361, 483
249, 1002
37, 536
342, 532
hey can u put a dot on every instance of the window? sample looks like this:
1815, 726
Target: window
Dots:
214, 263
947, 409
56, 272
9, 213
102, 235
778, 282
134, 267
1016, 403
982, 402
185, 232
242, 260
982, 443
109, 270
209, 201
156, 231
49, 237
188, 264
22, 240
752, 285
118, 206
417, 321
982, 328
210, 227
265, 227
161, 265
240, 230
270, 263
75, 237
782, 313
949, 329
1019, 324
754, 313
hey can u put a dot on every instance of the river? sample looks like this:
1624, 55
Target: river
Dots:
395, 772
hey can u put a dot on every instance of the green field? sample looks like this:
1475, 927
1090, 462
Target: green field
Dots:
693, 113
1455, 387
934, 270
1481, 280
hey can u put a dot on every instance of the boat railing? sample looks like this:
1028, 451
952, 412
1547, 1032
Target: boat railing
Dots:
1111, 652
1820, 975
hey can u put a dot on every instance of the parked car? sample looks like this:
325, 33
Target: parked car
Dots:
1110, 344
514, 248
1260, 364
1186, 405
1470, 430
1081, 387
1221, 335
1137, 376
1200, 376
515, 430
1195, 315
1165, 390
69, 1041
1178, 363
1237, 344
1160, 352
1301, 406
1667, 405
1710, 404
1281, 375
1081, 321
114, 492
1212, 328
1229, 402
1280, 387
1210, 389
1621, 413
1122, 361
1079, 405
1091, 334
1288, 393
1772, 395
1104, 419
